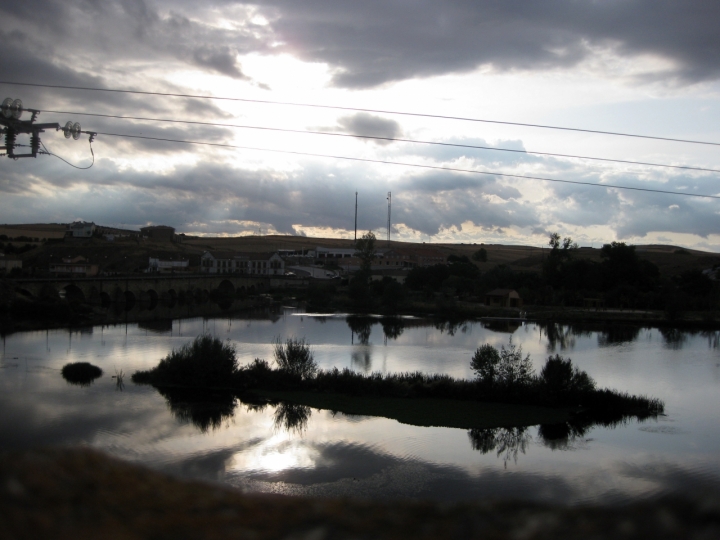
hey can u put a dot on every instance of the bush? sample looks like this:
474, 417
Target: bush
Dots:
480, 255
513, 368
504, 368
560, 377
206, 361
81, 373
295, 357
485, 363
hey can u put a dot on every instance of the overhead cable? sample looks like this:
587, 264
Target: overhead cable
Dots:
359, 109
375, 137
49, 153
416, 165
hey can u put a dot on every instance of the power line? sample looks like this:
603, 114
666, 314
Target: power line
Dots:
416, 165
359, 109
49, 153
375, 137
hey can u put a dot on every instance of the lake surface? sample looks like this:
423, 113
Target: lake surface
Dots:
256, 449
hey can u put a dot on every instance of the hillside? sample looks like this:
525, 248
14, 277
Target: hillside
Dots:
128, 254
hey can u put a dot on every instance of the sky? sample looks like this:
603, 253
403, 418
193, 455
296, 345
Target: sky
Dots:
649, 67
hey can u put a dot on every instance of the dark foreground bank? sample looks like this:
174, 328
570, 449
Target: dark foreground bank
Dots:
81, 493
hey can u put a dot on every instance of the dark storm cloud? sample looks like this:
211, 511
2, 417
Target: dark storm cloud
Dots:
365, 43
219, 58
60, 42
374, 42
369, 125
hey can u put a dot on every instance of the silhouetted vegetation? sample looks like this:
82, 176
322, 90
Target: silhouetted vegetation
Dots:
503, 376
361, 327
480, 255
295, 358
203, 409
292, 417
506, 368
392, 327
81, 373
506, 442
205, 362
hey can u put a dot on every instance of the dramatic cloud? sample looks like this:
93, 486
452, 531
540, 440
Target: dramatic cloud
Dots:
565, 62
368, 125
371, 43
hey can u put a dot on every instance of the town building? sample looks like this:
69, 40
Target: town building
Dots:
227, 262
334, 253
503, 298
167, 266
8, 263
81, 229
74, 267
161, 233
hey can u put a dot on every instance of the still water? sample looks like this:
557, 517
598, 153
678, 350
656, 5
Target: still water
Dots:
256, 449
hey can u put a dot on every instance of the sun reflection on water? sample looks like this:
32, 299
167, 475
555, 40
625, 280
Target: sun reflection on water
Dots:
277, 453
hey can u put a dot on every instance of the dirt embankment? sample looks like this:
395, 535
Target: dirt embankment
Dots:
81, 493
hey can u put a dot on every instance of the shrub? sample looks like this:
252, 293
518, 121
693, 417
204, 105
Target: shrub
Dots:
206, 361
513, 368
485, 363
561, 378
506, 367
81, 373
295, 357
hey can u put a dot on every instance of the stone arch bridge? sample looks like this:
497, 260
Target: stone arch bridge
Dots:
152, 288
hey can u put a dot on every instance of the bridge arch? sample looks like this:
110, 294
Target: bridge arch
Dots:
169, 298
226, 288
25, 292
48, 291
149, 298
73, 293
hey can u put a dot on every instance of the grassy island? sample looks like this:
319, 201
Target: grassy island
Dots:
81, 373
505, 393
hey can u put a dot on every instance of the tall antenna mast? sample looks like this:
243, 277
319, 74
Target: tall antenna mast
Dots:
389, 199
356, 216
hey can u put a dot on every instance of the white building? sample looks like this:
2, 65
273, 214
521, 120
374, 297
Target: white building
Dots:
334, 253
167, 266
7, 264
227, 262
82, 229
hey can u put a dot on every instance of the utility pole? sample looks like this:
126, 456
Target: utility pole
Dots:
356, 216
389, 200
11, 126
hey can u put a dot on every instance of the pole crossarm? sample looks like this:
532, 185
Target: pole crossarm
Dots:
13, 128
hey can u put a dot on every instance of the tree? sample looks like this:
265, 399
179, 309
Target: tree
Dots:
295, 357
506, 367
561, 252
560, 377
513, 368
565, 247
480, 255
365, 251
485, 363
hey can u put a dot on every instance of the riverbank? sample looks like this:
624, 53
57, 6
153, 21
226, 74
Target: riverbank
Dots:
81, 493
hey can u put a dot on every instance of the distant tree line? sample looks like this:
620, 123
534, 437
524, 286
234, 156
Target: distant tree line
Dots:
620, 279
